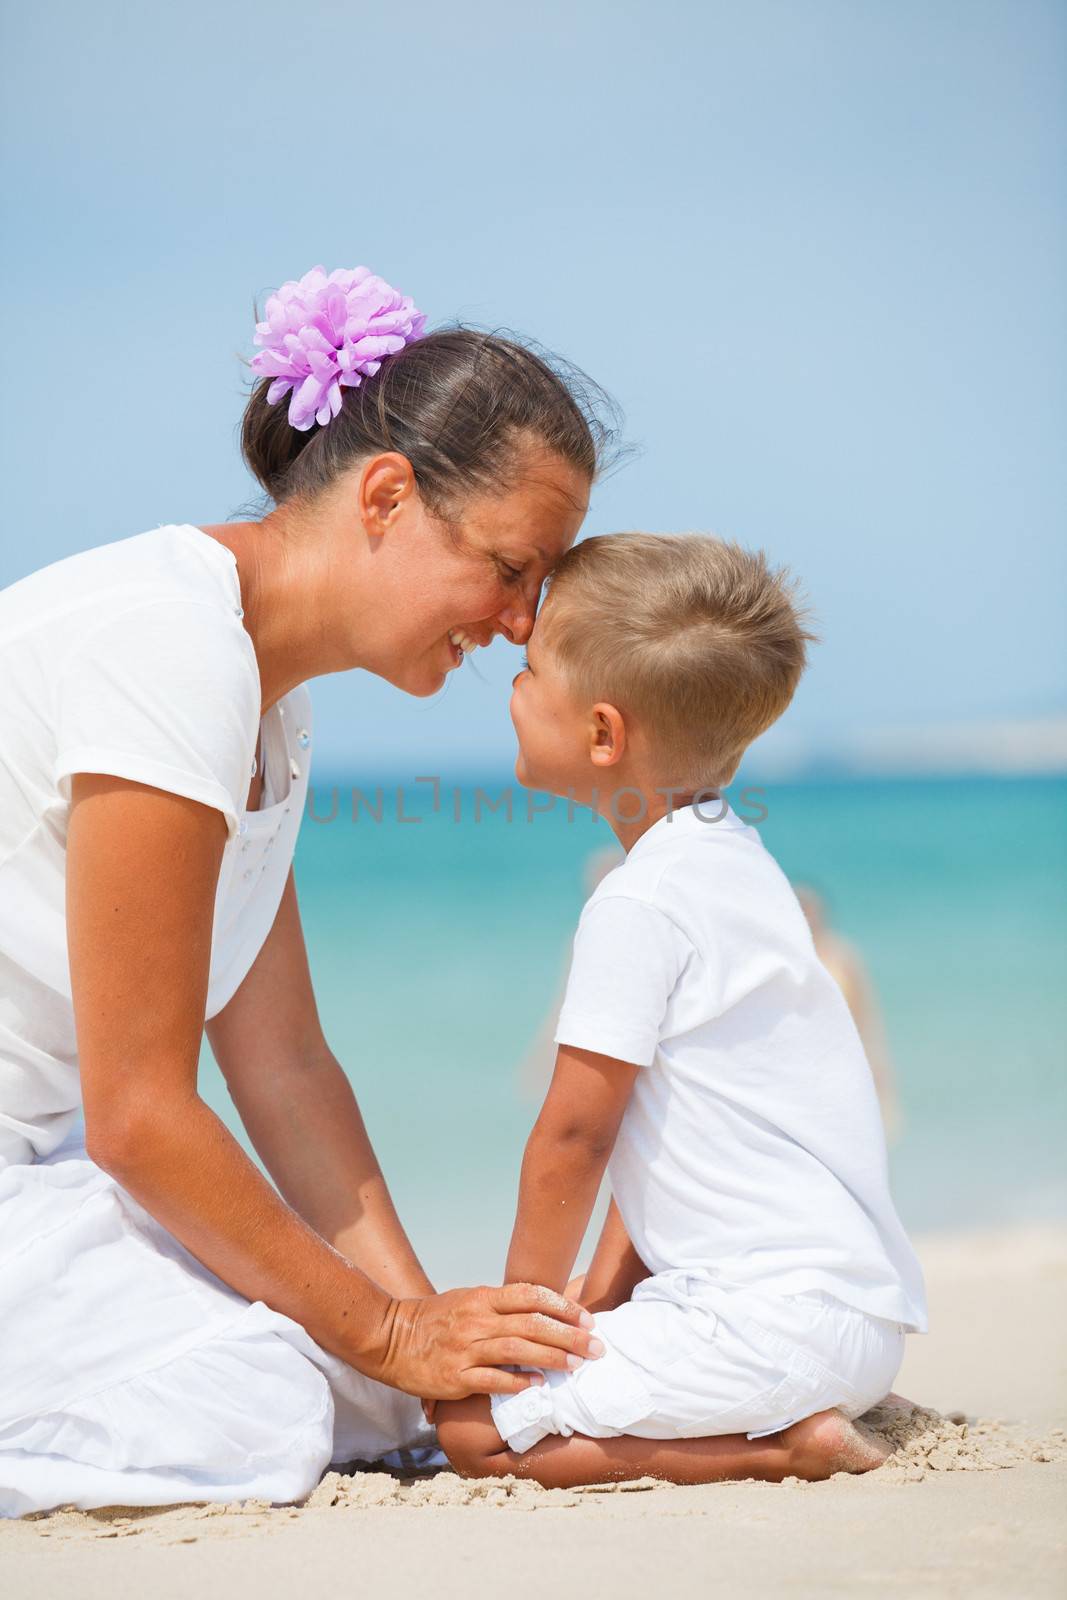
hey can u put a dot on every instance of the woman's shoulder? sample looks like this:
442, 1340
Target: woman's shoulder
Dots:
170, 592
156, 681
172, 561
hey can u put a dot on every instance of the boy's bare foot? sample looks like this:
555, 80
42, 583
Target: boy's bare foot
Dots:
897, 1402
828, 1442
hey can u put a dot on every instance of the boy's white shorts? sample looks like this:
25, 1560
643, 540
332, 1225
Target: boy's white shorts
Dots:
691, 1356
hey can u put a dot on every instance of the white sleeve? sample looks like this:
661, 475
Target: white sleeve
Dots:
627, 958
166, 694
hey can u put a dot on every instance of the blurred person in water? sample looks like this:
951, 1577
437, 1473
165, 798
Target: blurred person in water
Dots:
847, 967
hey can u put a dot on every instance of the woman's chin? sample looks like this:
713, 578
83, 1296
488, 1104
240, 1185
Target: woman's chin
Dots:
421, 682
430, 685
425, 674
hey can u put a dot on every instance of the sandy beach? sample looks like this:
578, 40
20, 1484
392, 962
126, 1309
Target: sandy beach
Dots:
972, 1502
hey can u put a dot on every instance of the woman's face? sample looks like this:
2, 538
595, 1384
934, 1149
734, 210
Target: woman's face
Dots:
434, 587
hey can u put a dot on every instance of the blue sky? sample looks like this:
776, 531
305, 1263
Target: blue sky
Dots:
815, 248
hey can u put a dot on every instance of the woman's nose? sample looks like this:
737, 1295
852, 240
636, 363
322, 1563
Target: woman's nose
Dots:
517, 629
516, 621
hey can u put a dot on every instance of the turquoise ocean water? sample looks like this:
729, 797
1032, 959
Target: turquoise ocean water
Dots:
439, 946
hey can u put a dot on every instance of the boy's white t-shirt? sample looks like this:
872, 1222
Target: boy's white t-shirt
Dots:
130, 659
752, 1145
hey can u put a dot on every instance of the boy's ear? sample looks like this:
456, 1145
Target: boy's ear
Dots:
607, 735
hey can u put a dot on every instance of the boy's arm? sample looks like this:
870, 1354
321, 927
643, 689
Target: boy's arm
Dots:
564, 1162
616, 1268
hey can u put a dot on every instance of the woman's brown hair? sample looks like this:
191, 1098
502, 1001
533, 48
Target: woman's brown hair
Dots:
458, 403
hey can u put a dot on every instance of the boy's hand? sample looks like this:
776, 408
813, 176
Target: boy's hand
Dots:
576, 1289
615, 1270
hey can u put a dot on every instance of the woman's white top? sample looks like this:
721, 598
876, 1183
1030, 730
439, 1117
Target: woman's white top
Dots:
133, 660
130, 659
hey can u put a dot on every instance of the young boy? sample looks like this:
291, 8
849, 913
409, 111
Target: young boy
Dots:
753, 1284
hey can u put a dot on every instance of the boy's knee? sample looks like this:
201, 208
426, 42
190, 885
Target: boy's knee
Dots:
468, 1438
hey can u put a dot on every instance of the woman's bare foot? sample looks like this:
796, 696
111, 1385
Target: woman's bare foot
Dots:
828, 1442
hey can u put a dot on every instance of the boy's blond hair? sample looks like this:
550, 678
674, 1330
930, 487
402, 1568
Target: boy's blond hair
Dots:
700, 641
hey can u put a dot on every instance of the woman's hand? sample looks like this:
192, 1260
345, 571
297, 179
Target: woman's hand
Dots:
451, 1345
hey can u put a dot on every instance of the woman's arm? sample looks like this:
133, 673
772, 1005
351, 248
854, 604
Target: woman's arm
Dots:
564, 1162
297, 1104
142, 869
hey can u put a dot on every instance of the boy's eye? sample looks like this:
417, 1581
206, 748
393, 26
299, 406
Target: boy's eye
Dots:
525, 663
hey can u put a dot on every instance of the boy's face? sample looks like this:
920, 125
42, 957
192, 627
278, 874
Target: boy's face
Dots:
553, 732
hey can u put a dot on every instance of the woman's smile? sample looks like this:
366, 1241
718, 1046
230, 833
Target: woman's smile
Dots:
460, 644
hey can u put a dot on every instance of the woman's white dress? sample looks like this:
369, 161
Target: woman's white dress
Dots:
129, 1374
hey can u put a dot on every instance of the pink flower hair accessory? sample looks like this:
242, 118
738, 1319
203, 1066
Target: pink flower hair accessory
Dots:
325, 333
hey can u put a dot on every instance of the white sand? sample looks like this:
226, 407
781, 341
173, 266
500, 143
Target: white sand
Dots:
969, 1506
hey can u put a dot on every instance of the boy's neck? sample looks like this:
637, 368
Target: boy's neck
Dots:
641, 814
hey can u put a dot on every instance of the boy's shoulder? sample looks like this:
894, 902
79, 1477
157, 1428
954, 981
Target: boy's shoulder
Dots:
704, 873
688, 844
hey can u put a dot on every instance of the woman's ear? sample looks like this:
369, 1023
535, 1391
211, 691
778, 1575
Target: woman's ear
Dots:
607, 735
385, 483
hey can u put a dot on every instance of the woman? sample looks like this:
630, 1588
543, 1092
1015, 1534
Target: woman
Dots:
171, 1327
